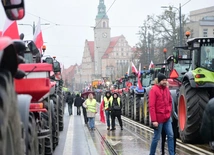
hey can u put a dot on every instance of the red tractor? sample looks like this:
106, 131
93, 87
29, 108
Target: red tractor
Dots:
43, 105
57, 94
17, 125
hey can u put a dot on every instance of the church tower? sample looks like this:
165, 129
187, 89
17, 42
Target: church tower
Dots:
101, 36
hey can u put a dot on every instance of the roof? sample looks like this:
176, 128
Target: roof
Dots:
91, 48
69, 71
112, 44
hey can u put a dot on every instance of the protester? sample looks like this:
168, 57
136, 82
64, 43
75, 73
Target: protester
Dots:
90, 105
106, 101
70, 101
160, 108
84, 110
78, 103
115, 107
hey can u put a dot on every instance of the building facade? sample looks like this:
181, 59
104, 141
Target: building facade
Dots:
201, 22
106, 56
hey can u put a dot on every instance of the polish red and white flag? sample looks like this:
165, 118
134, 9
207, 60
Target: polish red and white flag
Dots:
38, 38
0, 33
151, 65
134, 69
10, 29
139, 78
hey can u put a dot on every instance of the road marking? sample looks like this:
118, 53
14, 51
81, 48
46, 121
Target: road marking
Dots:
69, 139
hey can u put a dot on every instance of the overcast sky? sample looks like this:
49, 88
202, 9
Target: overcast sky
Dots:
75, 17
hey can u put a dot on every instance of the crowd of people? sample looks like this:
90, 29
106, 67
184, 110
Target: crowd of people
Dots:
160, 109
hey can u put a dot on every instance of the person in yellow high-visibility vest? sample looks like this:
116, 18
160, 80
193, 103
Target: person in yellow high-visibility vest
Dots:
91, 107
116, 106
106, 101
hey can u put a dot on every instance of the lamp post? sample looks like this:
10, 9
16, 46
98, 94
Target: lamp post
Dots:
165, 51
34, 26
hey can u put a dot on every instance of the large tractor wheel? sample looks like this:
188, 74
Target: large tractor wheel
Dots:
137, 102
130, 105
47, 117
141, 110
42, 140
61, 111
146, 109
55, 123
123, 104
192, 102
33, 145
11, 139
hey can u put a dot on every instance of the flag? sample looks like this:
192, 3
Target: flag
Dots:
0, 33
134, 69
102, 117
128, 70
37, 38
151, 65
139, 81
10, 29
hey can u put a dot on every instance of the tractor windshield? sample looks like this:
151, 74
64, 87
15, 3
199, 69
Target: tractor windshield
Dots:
207, 57
146, 81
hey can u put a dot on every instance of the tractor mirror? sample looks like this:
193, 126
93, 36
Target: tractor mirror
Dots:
14, 9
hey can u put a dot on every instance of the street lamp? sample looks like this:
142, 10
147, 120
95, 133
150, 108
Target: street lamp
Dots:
34, 26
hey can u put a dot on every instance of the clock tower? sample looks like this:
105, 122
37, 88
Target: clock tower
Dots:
101, 36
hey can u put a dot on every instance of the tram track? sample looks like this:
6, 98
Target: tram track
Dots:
190, 147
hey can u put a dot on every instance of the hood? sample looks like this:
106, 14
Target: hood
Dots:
107, 93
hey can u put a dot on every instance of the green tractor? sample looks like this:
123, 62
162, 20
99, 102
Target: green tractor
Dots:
197, 87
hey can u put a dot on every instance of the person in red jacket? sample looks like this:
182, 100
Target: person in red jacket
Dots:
160, 108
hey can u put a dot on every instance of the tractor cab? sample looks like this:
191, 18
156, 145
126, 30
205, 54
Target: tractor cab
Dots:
31, 54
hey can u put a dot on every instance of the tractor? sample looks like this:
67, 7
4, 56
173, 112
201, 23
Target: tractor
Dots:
57, 93
37, 76
17, 125
197, 87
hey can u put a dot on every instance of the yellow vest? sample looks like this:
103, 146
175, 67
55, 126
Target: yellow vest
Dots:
118, 101
91, 105
106, 101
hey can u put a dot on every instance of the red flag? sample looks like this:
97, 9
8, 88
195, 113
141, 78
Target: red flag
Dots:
151, 65
11, 29
134, 69
139, 81
102, 117
37, 38
0, 33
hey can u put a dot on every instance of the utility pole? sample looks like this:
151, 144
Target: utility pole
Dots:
34, 26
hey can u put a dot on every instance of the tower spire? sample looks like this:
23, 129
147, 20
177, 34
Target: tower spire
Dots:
101, 10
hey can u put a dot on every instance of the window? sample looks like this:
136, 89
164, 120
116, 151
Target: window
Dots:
122, 54
104, 24
121, 49
116, 54
205, 32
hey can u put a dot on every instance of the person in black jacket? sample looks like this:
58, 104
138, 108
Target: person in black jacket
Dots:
70, 101
78, 103
207, 125
115, 107
84, 110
